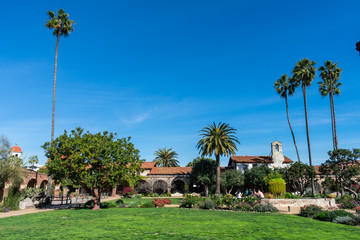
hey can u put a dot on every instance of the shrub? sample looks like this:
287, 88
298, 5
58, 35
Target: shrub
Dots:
265, 208
268, 195
244, 207
108, 205
229, 200
147, 205
291, 196
310, 210
167, 201
347, 202
277, 186
128, 192
345, 220
120, 203
251, 200
158, 202
217, 201
329, 216
154, 195
89, 204
207, 204
189, 201
134, 204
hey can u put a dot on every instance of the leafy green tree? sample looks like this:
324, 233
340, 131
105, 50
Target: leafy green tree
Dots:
254, 177
196, 160
330, 74
166, 157
204, 173
232, 180
304, 73
343, 166
219, 140
93, 161
10, 166
62, 26
298, 176
284, 88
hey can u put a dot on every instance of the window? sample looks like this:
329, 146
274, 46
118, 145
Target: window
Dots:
245, 167
277, 147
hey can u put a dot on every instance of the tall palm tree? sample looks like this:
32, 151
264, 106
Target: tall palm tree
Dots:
330, 74
219, 140
62, 26
284, 88
166, 157
304, 73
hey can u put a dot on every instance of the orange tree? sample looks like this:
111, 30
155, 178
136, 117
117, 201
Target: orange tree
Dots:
93, 161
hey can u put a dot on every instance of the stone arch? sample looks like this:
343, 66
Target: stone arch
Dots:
160, 187
43, 184
31, 183
143, 187
178, 185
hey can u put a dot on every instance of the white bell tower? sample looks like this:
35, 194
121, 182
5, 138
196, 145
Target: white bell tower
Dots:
277, 155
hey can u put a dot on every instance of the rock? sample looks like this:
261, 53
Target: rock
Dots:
26, 203
177, 194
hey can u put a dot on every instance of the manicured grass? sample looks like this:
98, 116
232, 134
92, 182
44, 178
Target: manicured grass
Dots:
128, 200
168, 223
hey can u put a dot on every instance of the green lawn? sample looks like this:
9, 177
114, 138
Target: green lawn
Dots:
128, 200
168, 223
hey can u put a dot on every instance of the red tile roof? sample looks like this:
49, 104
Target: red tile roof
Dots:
148, 165
171, 171
15, 149
256, 159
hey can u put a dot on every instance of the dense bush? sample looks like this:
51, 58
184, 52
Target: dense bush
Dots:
347, 202
251, 200
277, 186
190, 201
147, 205
120, 203
310, 210
89, 204
345, 220
207, 204
230, 201
108, 205
134, 204
265, 208
330, 216
161, 202
128, 192
291, 196
244, 207
158, 202
268, 195
217, 201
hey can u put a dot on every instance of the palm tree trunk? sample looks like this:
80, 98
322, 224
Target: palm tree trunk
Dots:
217, 192
308, 136
334, 121
292, 133
53, 108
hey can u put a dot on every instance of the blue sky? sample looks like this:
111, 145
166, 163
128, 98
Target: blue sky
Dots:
160, 71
